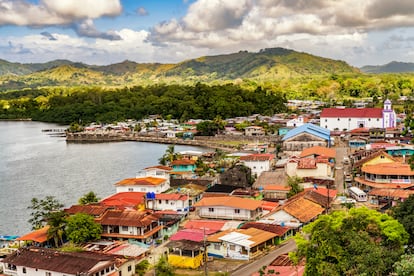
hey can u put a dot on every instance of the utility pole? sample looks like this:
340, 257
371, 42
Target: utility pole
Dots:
205, 252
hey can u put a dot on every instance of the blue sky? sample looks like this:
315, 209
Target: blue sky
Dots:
360, 32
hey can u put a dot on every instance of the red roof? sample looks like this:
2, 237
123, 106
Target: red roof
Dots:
213, 225
196, 235
258, 157
171, 197
269, 205
372, 112
124, 199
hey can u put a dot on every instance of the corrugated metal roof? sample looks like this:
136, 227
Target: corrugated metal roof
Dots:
311, 129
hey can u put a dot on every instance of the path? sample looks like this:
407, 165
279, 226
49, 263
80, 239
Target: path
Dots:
255, 266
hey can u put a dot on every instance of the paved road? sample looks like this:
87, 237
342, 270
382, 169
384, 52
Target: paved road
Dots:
339, 169
255, 266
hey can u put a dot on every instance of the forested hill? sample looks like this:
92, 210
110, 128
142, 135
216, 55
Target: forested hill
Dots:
267, 64
392, 67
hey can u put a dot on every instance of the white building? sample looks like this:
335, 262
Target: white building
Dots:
296, 122
176, 202
229, 207
258, 163
350, 118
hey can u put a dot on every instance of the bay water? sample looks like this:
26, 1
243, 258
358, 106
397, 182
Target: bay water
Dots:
37, 164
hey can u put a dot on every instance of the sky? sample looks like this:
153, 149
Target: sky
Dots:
100, 32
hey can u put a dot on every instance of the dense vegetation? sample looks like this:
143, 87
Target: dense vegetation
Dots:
180, 102
355, 242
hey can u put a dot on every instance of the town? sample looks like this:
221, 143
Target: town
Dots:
233, 210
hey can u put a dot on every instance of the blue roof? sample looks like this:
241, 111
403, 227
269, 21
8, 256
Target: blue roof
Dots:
311, 129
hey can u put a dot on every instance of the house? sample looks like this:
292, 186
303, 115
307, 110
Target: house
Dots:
176, 201
39, 261
39, 237
316, 151
254, 131
229, 207
282, 232
303, 209
130, 224
170, 222
183, 165
296, 122
240, 244
157, 171
125, 200
143, 184
393, 175
351, 118
258, 163
309, 167
186, 254
275, 192
371, 158
305, 136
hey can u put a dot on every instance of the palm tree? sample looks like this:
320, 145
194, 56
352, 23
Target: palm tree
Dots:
57, 223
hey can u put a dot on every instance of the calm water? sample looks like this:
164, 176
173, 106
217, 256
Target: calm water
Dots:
35, 164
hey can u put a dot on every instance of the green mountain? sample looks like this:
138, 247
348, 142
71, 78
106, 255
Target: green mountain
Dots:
392, 67
267, 64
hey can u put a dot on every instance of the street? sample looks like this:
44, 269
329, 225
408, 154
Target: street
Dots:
255, 266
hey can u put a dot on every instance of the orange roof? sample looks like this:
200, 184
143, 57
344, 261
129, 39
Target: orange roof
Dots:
395, 168
230, 201
215, 225
276, 188
39, 235
124, 199
160, 167
391, 193
382, 185
171, 196
183, 162
258, 157
318, 150
269, 205
141, 181
303, 209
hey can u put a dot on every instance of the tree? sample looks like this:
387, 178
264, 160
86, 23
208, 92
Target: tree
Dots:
169, 156
57, 223
42, 209
358, 242
209, 128
404, 213
294, 184
163, 268
405, 266
88, 198
142, 267
82, 228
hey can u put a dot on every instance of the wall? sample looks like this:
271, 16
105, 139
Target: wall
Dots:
225, 212
185, 262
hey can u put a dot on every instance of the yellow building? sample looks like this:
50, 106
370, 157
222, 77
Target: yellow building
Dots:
186, 254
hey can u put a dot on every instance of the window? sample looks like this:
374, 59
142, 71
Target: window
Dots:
24, 270
349, 119
107, 269
129, 268
237, 211
326, 120
48, 273
216, 246
369, 119
159, 201
166, 201
143, 190
211, 209
130, 189
124, 228
339, 119
232, 247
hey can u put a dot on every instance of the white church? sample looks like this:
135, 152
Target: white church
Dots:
341, 118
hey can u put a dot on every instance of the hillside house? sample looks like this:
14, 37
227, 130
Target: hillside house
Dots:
258, 163
229, 207
143, 184
305, 136
176, 202
130, 224
36, 261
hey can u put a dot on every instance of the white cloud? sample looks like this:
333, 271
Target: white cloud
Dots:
80, 9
